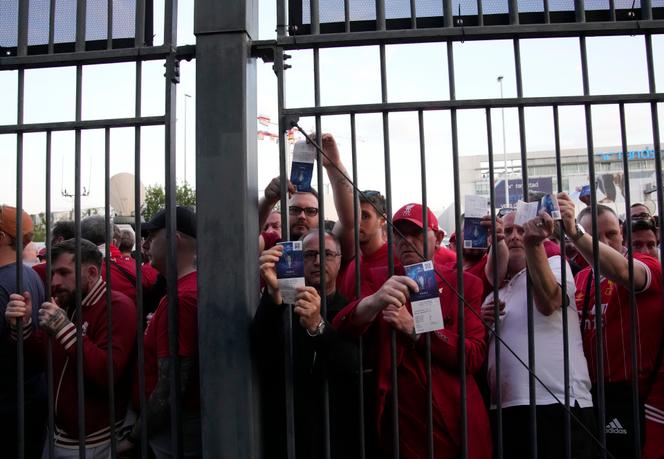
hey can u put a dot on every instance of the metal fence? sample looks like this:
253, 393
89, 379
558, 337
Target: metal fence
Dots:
226, 52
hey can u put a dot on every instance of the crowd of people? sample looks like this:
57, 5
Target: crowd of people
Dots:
346, 392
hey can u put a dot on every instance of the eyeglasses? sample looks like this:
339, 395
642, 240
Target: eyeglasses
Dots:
308, 211
642, 216
311, 255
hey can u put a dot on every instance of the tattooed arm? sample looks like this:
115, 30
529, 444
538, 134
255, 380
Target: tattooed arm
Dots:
157, 410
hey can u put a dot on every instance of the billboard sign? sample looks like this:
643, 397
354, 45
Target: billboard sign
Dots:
541, 184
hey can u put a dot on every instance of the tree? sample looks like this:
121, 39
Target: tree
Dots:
155, 198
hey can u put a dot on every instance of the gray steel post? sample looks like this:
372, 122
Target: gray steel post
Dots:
226, 182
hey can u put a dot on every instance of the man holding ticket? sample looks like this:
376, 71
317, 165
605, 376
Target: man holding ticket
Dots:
319, 352
417, 300
303, 199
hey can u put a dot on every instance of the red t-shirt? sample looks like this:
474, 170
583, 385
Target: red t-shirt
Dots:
617, 323
444, 255
373, 274
156, 339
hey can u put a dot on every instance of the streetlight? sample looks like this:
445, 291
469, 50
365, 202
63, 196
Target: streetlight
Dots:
186, 96
502, 114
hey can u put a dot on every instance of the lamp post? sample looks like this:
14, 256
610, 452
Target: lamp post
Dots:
502, 114
186, 97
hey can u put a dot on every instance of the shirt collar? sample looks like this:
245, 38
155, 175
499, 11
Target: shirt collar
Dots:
95, 294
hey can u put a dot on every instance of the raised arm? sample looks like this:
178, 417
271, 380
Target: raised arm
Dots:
613, 265
547, 293
502, 252
342, 192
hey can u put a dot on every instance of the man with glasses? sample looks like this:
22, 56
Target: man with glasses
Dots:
35, 385
640, 211
319, 353
303, 205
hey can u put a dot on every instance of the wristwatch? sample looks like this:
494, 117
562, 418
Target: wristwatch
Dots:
579, 233
320, 328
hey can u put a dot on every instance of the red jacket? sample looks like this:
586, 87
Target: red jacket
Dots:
444, 369
95, 341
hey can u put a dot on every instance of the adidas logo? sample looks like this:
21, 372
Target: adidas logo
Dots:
614, 427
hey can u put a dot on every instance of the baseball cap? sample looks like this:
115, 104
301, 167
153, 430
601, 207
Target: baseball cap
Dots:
413, 213
185, 222
8, 217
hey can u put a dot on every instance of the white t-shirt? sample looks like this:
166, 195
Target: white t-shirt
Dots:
548, 332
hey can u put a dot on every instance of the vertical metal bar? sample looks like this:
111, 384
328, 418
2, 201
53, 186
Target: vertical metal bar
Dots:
51, 26
498, 442
654, 114
109, 308
315, 17
80, 25
413, 14
285, 233
347, 16
380, 14
225, 358
513, 8
321, 247
49, 350
646, 10
109, 24
80, 376
140, 357
547, 14
480, 13
172, 65
423, 176
567, 428
580, 10
22, 50
612, 10
531, 324
390, 248
632, 291
139, 26
448, 14
599, 336
358, 281
457, 212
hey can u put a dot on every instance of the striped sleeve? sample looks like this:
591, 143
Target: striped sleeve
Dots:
27, 330
67, 336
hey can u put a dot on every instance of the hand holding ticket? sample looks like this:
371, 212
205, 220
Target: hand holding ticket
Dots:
304, 156
290, 270
425, 304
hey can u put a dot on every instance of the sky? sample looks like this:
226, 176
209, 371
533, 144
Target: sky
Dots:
551, 67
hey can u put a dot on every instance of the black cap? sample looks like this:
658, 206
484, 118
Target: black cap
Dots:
185, 222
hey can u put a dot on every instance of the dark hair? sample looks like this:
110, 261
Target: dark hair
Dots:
90, 254
126, 241
63, 229
601, 210
375, 198
93, 228
642, 225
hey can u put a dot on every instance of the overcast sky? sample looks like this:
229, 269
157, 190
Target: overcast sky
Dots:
351, 75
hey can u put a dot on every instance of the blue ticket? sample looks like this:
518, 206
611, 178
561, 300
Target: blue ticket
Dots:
302, 167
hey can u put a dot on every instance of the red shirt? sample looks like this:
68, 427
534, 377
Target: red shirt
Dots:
156, 339
444, 255
95, 342
444, 370
373, 273
616, 321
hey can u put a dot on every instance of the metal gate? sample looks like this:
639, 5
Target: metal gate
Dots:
226, 54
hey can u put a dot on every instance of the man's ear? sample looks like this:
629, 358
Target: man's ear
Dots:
92, 271
439, 238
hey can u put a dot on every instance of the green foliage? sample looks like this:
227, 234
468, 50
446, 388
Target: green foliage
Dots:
155, 198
